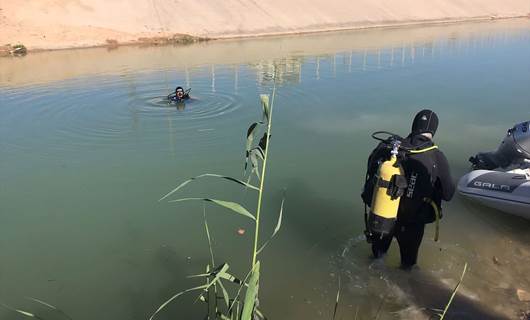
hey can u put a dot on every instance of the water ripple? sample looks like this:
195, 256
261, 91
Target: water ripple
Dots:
50, 122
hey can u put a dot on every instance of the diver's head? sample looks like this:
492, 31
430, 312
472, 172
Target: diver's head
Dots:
179, 92
425, 122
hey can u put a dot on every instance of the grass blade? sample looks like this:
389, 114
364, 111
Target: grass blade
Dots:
236, 207
22, 312
260, 314
251, 294
168, 301
254, 164
380, 307
235, 301
43, 303
50, 306
225, 294
336, 302
208, 235
276, 229
454, 292
25, 313
183, 184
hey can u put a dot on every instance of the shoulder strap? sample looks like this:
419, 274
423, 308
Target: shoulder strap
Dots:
423, 150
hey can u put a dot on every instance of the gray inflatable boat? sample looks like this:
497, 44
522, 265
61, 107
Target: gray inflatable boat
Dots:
501, 179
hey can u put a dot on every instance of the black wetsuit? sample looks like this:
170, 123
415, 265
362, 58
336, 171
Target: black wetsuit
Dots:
427, 176
174, 98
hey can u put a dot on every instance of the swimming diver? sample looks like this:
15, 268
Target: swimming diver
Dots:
179, 95
428, 182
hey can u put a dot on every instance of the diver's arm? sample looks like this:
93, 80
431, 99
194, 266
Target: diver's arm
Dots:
444, 175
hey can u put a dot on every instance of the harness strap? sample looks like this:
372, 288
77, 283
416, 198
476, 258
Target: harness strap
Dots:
383, 183
423, 150
437, 216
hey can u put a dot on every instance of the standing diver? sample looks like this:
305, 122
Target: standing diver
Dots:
180, 95
406, 181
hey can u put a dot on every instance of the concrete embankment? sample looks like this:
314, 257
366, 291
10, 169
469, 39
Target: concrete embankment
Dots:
55, 24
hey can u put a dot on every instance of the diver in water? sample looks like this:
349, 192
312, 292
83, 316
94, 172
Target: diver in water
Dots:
428, 182
180, 95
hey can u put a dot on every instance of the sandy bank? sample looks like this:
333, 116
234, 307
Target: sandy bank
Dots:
54, 24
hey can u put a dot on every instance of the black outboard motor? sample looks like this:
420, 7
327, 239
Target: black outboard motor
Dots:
514, 150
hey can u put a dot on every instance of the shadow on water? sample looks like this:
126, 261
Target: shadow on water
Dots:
140, 298
321, 223
171, 272
427, 291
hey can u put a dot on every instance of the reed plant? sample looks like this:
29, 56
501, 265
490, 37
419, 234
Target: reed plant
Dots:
241, 300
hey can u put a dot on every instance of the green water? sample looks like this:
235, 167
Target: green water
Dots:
88, 146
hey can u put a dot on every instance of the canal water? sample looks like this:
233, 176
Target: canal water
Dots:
88, 145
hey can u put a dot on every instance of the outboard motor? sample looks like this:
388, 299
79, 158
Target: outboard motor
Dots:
514, 150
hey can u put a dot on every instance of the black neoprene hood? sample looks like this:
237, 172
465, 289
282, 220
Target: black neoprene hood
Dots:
425, 121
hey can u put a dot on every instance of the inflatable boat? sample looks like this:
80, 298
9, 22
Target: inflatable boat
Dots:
501, 179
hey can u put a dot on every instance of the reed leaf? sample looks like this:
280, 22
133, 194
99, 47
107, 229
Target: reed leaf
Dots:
250, 135
336, 301
209, 273
214, 282
265, 105
50, 306
255, 165
225, 294
259, 313
235, 301
251, 294
43, 303
22, 312
208, 236
454, 292
263, 142
27, 314
276, 229
202, 275
238, 307
259, 152
231, 278
226, 276
180, 186
236, 207
168, 301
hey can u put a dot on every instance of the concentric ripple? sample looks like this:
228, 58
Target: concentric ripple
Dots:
201, 106
110, 113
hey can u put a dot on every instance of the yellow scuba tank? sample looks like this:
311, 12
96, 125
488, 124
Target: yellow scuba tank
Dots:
388, 188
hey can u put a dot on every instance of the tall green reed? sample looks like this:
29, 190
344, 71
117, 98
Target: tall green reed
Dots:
216, 277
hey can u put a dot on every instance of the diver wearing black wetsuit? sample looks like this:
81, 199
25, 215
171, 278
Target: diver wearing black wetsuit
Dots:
428, 177
180, 95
